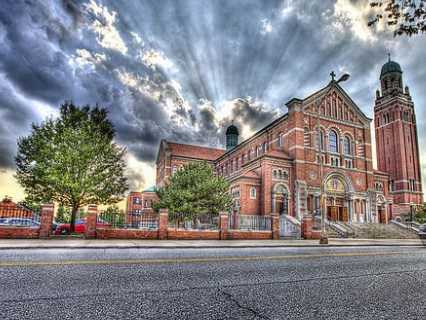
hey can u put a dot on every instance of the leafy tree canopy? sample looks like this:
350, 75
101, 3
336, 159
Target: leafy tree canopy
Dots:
114, 210
72, 160
193, 191
113, 215
406, 17
421, 213
30, 204
63, 215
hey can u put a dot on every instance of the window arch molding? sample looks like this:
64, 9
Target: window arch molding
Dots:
348, 144
333, 141
253, 192
280, 140
320, 138
281, 188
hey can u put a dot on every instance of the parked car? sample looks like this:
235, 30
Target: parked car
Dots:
79, 226
422, 231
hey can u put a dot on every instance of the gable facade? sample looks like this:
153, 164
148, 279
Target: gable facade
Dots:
279, 169
321, 146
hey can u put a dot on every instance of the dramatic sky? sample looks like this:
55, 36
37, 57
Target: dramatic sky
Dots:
181, 70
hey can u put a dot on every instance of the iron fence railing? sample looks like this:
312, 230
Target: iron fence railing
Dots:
249, 222
141, 221
19, 217
201, 222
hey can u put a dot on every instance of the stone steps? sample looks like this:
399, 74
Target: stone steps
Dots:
331, 233
380, 231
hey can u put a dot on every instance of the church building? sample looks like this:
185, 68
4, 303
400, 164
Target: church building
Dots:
321, 149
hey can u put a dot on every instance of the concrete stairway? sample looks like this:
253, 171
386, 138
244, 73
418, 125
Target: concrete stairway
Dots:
380, 231
331, 233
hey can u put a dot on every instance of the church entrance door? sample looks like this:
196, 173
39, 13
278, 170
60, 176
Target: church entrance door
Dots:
382, 215
337, 213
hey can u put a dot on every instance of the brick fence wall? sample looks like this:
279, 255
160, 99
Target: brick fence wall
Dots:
43, 231
248, 235
19, 233
109, 233
163, 231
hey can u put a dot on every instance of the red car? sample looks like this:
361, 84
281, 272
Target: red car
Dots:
79, 226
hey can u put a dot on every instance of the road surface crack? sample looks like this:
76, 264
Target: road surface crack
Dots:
236, 285
242, 306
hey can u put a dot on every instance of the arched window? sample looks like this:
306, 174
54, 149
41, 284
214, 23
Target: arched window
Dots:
333, 141
280, 140
252, 193
285, 175
320, 140
347, 145
264, 147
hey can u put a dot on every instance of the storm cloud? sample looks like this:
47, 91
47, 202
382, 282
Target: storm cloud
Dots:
183, 70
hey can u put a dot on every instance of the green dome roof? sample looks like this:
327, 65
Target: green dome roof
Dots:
390, 66
232, 130
150, 189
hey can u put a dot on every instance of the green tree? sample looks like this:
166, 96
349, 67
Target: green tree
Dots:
421, 213
113, 215
30, 204
194, 191
406, 17
63, 215
72, 160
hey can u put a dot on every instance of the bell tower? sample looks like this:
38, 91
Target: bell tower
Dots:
396, 139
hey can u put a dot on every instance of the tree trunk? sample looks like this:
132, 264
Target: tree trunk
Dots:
73, 214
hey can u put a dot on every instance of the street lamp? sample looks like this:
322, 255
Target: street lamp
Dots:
324, 236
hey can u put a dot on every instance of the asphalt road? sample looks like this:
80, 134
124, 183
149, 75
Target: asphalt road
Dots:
262, 283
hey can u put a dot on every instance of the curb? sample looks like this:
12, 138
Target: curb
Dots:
218, 247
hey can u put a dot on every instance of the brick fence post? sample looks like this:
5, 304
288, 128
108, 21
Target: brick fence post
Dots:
223, 225
163, 222
275, 226
91, 219
46, 219
306, 227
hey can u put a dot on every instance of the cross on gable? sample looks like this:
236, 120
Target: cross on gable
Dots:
333, 75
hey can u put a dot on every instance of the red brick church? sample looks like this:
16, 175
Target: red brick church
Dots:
323, 145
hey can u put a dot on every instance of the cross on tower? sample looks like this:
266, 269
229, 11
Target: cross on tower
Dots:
333, 75
389, 56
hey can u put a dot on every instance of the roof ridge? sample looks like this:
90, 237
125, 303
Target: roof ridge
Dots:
193, 145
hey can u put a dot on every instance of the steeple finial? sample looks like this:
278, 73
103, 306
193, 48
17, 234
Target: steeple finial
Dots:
389, 59
332, 75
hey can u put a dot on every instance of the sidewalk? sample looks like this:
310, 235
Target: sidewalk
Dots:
134, 244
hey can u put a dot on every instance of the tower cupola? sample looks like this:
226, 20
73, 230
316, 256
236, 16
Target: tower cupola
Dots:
391, 78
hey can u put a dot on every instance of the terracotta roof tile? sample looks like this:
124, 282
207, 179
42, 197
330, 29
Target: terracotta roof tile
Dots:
195, 152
